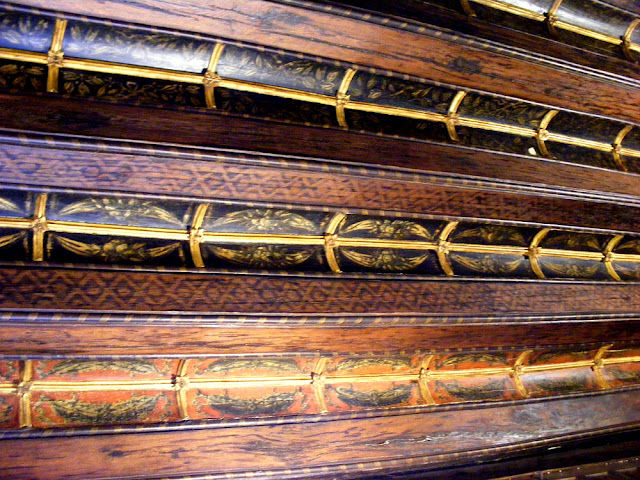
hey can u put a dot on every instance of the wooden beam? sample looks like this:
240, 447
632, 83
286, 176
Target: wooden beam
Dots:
366, 445
70, 116
323, 33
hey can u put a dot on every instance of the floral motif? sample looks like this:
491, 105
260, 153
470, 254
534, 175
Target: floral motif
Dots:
281, 364
260, 221
17, 77
25, 32
503, 109
491, 235
269, 405
385, 259
75, 411
490, 264
131, 89
74, 367
138, 47
374, 398
116, 250
389, 229
281, 70
120, 209
263, 256
392, 91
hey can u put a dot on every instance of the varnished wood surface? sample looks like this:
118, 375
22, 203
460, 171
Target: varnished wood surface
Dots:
362, 445
227, 176
70, 289
269, 24
431, 13
75, 117
290, 338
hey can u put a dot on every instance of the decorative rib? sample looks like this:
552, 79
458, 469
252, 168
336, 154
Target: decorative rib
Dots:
55, 56
426, 373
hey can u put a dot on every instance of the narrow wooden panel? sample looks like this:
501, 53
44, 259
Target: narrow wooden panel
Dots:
280, 25
77, 339
227, 131
235, 177
396, 442
62, 289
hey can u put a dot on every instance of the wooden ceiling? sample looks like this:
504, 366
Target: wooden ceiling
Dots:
290, 239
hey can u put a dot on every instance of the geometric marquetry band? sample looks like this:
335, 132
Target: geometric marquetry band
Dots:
250, 80
98, 229
56, 393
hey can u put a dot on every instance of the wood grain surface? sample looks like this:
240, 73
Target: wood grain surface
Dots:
341, 38
85, 118
339, 446
70, 289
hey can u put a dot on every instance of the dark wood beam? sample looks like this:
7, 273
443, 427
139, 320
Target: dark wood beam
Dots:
323, 33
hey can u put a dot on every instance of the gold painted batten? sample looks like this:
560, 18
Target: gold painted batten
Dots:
472, 372
24, 392
496, 127
104, 229
579, 142
397, 111
136, 71
383, 243
443, 248
18, 223
342, 98
262, 238
211, 78
23, 56
330, 238
534, 251
55, 56
39, 226
173, 75
453, 117
494, 249
196, 235
542, 134
573, 254
629, 152
608, 249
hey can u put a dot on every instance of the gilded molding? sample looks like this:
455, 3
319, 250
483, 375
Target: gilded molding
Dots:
444, 246
65, 392
453, 117
211, 78
485, 124
87, 229
55, 57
